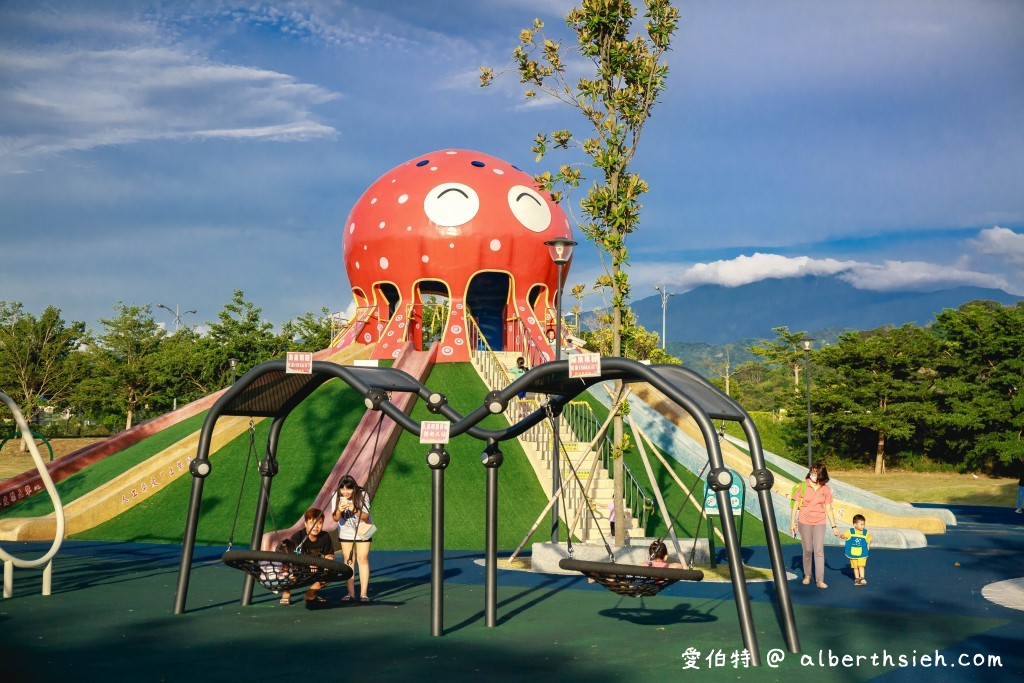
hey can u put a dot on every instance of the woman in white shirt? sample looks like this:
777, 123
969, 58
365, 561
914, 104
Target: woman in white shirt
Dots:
352, 506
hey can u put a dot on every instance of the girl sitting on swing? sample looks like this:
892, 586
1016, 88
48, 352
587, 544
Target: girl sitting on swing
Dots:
658, 554
351, 507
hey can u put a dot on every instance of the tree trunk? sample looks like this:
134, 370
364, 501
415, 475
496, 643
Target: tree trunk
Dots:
618, 473
128, 419
618, 479
880, 454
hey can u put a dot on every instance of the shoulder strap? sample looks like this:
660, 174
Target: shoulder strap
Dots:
801, 487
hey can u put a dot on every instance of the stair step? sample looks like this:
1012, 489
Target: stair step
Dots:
538, 445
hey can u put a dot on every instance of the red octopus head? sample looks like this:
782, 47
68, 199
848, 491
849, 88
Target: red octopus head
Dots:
447, 215
465, 225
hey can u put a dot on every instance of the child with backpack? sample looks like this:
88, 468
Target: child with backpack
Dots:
858, 542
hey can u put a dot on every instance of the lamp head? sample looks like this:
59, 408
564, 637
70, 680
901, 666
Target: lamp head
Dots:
560, 250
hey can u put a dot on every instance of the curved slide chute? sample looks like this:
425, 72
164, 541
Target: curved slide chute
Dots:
368, 451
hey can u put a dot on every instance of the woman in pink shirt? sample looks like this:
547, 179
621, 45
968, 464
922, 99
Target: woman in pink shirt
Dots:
812, 509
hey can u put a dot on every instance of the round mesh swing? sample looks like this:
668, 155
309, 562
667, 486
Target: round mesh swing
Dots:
625, 579
631, 580
276, 570
285, 571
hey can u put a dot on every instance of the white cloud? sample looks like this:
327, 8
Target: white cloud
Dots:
61, 95
917, 276
1001, 243
743, 270
885, 276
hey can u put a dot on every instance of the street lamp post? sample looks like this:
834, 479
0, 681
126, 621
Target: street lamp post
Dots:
560, 250
177, 313
665, 294
233, 362
806, 344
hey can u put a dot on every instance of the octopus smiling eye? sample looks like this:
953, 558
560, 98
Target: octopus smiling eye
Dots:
529, 208
451, 204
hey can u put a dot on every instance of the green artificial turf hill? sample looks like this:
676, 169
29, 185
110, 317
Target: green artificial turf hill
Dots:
312, 438
311, 441
402, 507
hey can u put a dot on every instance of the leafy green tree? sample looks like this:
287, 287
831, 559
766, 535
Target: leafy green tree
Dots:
761, 387
616, 102
874, 389
980, 401
241, 334
182, 371
124, 358
309, 332
785, 350
37, 356
435, 314
639, 344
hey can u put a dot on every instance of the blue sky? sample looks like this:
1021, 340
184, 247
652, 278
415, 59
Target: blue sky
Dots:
172, 152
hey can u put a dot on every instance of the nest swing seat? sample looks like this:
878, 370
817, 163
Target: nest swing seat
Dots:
631, 580
286, 571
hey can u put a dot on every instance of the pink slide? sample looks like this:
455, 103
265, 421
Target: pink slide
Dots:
359, 459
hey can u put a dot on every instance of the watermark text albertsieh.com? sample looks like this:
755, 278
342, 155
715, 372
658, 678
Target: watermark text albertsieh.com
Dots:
740, 659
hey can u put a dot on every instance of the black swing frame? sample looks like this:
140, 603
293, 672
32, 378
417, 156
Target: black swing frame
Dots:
269, 390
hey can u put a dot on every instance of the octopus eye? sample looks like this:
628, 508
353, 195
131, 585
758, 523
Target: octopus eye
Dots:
529, 208
451, 204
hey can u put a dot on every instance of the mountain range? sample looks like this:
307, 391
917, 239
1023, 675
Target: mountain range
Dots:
715, 314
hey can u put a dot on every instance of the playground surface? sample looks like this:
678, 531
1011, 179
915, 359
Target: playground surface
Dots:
110, 618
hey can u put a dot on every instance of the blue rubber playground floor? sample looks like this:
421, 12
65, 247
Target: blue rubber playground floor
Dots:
922, 617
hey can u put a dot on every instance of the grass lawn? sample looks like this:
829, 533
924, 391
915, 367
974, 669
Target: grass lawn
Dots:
311, 440
947, 488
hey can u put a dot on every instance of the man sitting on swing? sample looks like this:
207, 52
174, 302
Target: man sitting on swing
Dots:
316, 544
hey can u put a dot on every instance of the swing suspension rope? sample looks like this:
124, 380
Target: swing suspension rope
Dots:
350, 560
628, 580
278, 571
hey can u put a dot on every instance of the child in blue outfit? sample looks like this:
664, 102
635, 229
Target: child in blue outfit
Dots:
858, 543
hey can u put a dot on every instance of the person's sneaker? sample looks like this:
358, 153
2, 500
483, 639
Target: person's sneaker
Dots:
1017, 511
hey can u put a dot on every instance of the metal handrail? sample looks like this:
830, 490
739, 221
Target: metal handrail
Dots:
362, 314
580, 416
580, 422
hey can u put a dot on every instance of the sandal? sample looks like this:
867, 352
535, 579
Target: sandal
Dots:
863, 582
348, 598
364, 599
806, 581
285, 601
822, 584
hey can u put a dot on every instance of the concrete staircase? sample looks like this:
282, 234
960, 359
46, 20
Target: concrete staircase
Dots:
493, 368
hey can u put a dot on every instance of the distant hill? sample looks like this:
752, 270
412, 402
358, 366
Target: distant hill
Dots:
720, 315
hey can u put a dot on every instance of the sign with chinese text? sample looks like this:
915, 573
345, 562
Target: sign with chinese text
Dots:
299, 362
585, 365
435, 431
